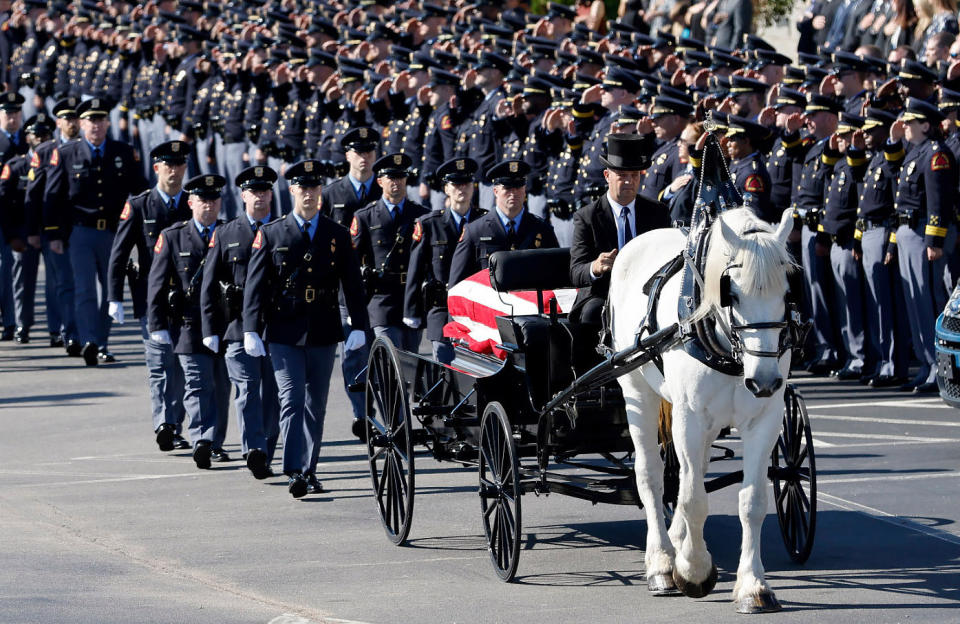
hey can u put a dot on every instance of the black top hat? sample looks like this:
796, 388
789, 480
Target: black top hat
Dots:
360, 140
304, 173
396, 165
206, 186
509, 173
173, 152
257, 178
11, 101
458, 170
625, 152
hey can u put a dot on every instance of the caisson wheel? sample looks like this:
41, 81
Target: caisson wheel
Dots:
794, 476
389, 440
500, 490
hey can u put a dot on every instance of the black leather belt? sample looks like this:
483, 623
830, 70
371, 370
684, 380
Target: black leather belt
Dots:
910, 219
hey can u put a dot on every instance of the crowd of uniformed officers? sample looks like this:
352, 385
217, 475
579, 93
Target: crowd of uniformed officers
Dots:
270, 182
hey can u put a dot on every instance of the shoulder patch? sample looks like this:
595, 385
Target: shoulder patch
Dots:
35, 160
257, 241
55, 157
5, 175
417, 232
127, 210
445, 123
939, 162
159, 244
753, 184
354, 227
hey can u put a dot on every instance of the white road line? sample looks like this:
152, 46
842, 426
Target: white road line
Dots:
901, 403
882, 436
118, 479
887, 421
889, 518
873, 444
891, 477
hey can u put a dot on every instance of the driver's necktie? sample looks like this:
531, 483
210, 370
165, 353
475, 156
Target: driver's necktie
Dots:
625, 223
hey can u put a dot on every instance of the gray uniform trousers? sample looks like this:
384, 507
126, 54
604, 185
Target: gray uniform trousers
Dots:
202, 147
282, 202
57, 270
26, 265
537, 205
402, 338
231, 163
563, 229
924, 291
255, 399
165, 378
887, 324
29, 108
817, 283
303, 383
206, 397
487, 200
7, 313
90, 257
849, 313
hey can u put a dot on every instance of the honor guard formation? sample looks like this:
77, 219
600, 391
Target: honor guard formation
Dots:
271, 184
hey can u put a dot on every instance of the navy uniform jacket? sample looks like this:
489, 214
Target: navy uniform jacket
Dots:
227, 262
8, 150
78, 194
876, 193
141, 221
439, 142
487, 235
664, 169
815, 173
480, 134
340, 202
563, 152
840, 203
291, 293
178, 259
591, 168
753, 182
926, 188
36, 183
383, 244
434, 240
780, 166
13, 185
595, 232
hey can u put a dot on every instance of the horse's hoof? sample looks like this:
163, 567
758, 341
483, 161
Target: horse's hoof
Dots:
662, 585
696, 590
759, 602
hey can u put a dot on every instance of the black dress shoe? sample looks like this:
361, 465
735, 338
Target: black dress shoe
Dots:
219, 455
313, 485
820, 368
358, 429
165, 437
297, 486
928, 387
56, 340
6, 335
73, 348
257, 463
89, 354
887, 381
179, 442
21, 335
105, 356
908, 387
848, 374
201, 454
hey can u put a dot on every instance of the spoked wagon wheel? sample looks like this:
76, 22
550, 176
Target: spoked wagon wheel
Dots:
794, 476
389, 440
500, 490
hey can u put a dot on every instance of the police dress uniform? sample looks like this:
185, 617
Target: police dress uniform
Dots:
925, 204
11, 145
221, 304
87, 187
665, 165
494, 231
20, 275
749, 174
382, 235
143, 217
173, 306
291, 298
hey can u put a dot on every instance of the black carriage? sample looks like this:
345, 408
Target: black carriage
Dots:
552, 404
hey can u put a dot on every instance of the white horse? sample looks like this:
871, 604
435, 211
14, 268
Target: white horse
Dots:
705, 400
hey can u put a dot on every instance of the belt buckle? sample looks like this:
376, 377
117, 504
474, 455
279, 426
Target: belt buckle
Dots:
101, 224
310, 294
403, 279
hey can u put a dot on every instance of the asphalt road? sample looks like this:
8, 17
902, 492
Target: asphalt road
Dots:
97, 525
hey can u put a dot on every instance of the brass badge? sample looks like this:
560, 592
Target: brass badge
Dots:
258, 172
208, 180
308, 166
363, 133
461, 165
175, 147
397, 159
513, 167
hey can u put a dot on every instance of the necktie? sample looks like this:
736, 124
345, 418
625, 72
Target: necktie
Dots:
363, 193
625, 222
171, 205
255, 226
96, 158
206, 236
307, 226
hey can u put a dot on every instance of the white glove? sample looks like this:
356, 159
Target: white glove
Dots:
212, 343
115, 310
412, 323
162, 336
253, 345
355, 340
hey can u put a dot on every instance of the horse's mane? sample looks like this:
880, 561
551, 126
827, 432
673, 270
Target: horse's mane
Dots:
762, 257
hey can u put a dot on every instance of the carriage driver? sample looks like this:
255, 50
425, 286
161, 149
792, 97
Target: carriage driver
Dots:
602, 228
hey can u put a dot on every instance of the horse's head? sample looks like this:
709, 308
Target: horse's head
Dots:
745, 286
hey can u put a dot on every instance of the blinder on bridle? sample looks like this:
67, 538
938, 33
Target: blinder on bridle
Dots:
792, 329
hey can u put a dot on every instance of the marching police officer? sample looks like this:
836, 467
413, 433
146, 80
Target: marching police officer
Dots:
435, 238
925, 203
508, 226
299, 266
381, 234
144, 216
12, 144
221, 303
88, 183
173, 306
